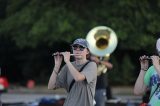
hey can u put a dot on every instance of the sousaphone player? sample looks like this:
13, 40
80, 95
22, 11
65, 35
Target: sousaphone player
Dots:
102, 42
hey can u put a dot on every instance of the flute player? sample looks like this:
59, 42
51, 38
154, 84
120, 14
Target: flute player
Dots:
78, 78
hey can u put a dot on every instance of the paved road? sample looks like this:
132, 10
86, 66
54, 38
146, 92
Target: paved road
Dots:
122, 94
26, 98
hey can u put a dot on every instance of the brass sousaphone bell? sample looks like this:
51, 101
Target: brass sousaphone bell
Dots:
102, 41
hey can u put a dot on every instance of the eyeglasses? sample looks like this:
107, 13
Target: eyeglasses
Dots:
75, 47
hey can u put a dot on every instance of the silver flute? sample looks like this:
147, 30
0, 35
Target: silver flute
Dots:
61, 54
148, 58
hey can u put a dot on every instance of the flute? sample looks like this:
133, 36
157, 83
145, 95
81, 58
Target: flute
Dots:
61, 54
148, 57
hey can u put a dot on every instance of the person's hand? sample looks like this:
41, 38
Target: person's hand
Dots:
156, 61
95, 59
144, 62
66, 56
58, 59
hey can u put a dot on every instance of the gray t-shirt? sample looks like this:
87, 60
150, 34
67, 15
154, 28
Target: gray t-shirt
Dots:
82, 92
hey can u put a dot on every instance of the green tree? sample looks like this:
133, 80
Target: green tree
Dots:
31, 24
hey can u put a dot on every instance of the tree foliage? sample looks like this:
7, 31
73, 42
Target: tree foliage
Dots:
30, 25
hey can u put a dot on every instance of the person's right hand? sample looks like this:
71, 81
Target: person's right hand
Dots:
58, 59
144, 62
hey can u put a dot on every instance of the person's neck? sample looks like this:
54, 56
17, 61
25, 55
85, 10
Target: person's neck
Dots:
81, 61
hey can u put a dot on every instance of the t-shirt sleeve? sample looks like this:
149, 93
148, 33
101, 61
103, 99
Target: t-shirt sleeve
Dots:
147, 76
90, 72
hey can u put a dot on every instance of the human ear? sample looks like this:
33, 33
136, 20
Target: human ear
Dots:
88, 51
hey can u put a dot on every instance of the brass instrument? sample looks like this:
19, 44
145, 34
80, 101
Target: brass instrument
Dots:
102, 42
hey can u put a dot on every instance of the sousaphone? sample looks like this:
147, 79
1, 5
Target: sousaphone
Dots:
102, 40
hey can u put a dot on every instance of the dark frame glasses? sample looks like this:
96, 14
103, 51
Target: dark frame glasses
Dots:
75, 47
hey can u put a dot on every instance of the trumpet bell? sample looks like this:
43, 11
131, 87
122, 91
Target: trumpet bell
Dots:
102, 40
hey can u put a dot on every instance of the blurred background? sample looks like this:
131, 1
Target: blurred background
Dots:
31, 30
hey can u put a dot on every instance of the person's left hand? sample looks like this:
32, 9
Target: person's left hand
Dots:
95, 59
156, 61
